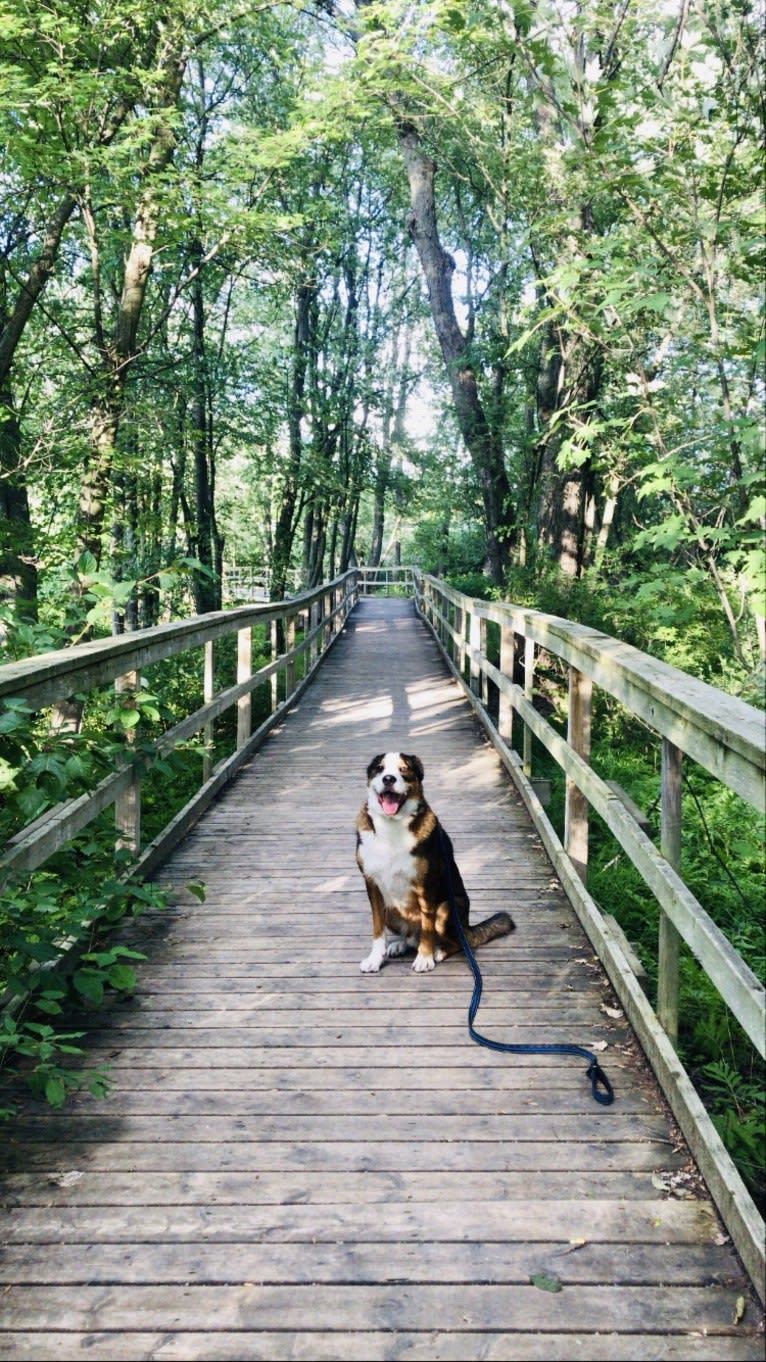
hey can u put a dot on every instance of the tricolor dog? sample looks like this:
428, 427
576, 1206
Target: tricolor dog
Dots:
401, 850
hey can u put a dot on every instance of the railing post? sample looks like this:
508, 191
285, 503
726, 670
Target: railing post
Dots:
505, 706
127, 806
578, 737
460, 640
290, 632
244, 672
274, 635
670, 846
208, 691
314, 616
529, 694
475, 643
458, 651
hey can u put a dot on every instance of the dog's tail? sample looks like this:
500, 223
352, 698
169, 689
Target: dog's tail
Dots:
499, 924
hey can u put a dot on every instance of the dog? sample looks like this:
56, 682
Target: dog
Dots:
403, 853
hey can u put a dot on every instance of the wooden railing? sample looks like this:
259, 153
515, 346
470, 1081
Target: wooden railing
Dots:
386, 578
318, 616
717, 730
246, 584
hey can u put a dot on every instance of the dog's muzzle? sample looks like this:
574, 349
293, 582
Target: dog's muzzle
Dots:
390, 802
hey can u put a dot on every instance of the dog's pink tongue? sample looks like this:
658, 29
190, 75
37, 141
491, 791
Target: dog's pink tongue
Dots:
389, 804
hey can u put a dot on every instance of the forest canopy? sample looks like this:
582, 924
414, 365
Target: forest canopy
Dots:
290, 286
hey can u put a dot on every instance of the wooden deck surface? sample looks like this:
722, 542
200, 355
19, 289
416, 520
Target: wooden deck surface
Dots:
300, 1161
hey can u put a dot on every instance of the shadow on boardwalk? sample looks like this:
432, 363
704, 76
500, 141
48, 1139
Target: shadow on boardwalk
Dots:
301, 1161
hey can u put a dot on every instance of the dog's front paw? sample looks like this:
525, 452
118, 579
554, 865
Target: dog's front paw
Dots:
422, 963
373, 961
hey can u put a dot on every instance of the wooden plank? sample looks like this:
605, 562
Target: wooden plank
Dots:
336, 1346
322, 1156
200, 1262
520, 1128
596, 1220
501, 1345
149, 1187
575, 1098
623, 1309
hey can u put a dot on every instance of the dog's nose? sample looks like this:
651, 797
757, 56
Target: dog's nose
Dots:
389, 780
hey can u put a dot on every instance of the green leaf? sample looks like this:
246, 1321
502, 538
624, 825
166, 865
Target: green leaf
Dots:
11, 720
543, 1282
55, 1091
89, 985
48, 1005
122, 977
87, 564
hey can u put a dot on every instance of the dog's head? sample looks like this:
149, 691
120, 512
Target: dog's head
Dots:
395, 782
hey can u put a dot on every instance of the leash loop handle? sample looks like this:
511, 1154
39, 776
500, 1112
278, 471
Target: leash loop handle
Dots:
598, 1078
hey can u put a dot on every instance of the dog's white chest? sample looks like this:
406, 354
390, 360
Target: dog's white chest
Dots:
386, 857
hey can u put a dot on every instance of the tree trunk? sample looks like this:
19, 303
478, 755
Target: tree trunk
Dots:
18, 567
206, 594
291, 502
119, 351
568, 378
438, 268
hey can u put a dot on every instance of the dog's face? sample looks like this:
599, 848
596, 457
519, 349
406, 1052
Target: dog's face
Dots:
396, 784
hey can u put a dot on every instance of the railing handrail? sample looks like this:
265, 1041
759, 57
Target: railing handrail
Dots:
687, 711
44, 679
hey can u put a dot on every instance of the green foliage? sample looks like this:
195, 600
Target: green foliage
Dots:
44, 1057
54, 927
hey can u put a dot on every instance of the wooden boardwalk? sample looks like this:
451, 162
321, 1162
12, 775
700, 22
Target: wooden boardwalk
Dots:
299, 1161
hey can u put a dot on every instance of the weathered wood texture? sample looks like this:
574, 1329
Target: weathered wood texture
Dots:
301, 1161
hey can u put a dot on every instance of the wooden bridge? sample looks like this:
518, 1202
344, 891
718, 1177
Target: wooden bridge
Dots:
301, 1161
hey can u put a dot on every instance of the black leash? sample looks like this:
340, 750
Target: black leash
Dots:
595, 1073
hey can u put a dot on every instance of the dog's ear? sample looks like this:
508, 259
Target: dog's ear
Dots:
416, 765
374, 764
